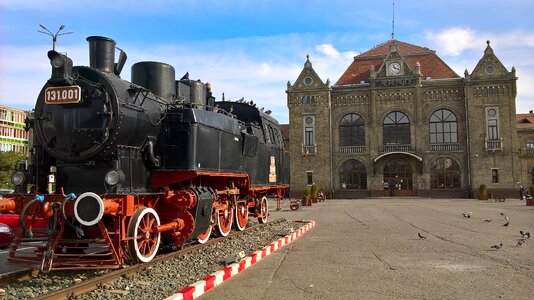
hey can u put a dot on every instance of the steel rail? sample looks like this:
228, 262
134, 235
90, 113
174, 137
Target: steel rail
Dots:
89, 285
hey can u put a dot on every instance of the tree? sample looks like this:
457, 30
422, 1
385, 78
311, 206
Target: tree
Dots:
8, 162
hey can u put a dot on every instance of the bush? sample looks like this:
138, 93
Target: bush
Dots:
307, 192
483, 189
314, 191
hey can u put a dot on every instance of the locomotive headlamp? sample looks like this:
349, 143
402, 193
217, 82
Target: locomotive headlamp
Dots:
114, 177
61, 66
56, 59
88, 209
18, 177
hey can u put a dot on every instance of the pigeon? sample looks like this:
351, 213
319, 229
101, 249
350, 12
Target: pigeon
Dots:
487, 220
506, 218
506, 224
186, 76
421, 236
467, 214
502, 214
497, 246
525, 235
521, 233
520, 243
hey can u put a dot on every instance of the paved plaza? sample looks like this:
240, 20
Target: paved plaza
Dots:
370, 249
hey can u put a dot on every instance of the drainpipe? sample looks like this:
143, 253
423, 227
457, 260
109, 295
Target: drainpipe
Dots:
467, 141
331, 139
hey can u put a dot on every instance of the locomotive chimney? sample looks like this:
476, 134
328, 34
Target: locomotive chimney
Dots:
102, 53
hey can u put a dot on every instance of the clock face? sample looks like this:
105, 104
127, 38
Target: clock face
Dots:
394, 68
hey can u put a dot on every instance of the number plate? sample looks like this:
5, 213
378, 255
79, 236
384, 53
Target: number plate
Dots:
63, 94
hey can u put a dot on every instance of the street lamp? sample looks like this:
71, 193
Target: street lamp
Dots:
53, 35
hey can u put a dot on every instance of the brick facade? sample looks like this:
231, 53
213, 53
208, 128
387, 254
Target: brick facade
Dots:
425, 131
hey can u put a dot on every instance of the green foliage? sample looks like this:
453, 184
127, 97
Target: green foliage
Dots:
8, 162
483, 189
314, 190
307, 192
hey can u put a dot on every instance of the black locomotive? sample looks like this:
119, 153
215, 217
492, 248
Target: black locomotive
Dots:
123, 166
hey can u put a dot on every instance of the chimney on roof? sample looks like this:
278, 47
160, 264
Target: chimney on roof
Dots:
530, 111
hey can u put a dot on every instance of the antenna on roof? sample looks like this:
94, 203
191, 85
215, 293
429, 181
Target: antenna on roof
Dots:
393, 24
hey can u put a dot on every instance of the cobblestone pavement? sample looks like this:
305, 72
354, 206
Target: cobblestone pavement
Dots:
370, 249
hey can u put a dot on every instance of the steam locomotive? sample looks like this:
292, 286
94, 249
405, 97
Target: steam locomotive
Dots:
119, 168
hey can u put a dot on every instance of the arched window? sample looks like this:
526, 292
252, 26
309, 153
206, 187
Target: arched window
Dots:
444, 174
396, 129
351, 131
352, 175
443, 127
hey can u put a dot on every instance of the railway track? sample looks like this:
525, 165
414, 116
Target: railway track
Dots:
101, 281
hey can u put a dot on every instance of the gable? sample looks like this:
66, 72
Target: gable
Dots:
489, 66
308, 78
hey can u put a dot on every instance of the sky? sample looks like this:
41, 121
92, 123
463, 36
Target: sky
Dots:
251, 49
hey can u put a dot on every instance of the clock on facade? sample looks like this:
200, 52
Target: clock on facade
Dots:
394, 68
308, 81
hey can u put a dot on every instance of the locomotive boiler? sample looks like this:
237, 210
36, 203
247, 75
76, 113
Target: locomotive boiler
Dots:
119, 168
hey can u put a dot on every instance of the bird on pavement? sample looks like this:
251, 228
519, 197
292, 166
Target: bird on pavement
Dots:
497, 246
467, 214
506, 224
525, 235
506, 218
520, 243
421, 236
487, 220
502, 214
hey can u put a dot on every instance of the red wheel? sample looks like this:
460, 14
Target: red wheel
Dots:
205, 236
225, 218
144, 242
241, 215
263, 210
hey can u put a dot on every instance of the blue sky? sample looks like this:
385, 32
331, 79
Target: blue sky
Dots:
252, 49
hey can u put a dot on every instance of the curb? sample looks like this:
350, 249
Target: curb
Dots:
198, 288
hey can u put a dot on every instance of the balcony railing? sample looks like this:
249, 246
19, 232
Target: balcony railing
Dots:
444, 147
352, 149
309, 150
397, 148
494, 145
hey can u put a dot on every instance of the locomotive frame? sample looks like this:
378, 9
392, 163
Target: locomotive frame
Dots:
119, 168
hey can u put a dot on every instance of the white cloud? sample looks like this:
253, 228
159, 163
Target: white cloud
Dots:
453, 41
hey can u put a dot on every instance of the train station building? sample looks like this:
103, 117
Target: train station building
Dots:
400, 122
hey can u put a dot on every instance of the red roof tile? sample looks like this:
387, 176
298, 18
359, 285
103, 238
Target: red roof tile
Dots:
431, 65
524, 120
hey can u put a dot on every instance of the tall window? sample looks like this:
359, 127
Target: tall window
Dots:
351, 131
494, 175
352, 175
309, 176
443, 127
492, 119
444, 174
309, 136
396, 129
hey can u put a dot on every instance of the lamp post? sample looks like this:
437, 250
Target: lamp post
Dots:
53, 35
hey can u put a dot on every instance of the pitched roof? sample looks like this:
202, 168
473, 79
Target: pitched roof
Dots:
524, 120
431, 65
